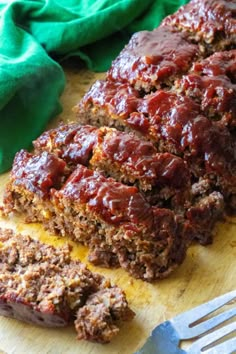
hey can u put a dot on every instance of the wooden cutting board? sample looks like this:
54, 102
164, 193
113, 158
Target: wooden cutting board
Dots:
206, 272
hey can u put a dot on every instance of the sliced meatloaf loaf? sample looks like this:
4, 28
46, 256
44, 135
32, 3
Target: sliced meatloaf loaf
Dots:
41, 284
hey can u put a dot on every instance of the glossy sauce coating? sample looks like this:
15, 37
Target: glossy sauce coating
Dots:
213, 142
114, 202
168, 114
220, 63
212, 83
73, 143
38, 173
141, 159
217, 95
121, 99
210, 20
150, 58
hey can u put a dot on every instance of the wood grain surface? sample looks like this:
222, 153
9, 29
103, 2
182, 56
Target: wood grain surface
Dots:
206, 272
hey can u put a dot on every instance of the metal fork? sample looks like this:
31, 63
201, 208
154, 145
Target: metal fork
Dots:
166, 337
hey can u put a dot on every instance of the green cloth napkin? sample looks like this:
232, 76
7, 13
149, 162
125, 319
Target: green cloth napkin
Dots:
32, 32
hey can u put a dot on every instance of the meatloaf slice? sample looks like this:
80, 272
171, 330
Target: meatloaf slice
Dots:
125, 157
41, 284
154, 58
211, 23
72, 143
119, 105
109, 104
114, 220
212, 83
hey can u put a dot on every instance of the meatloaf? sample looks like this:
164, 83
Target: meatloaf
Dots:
41, 284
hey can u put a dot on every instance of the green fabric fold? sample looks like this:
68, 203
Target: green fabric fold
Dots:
34, 31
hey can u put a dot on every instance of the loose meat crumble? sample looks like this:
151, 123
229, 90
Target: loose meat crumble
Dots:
41, 284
